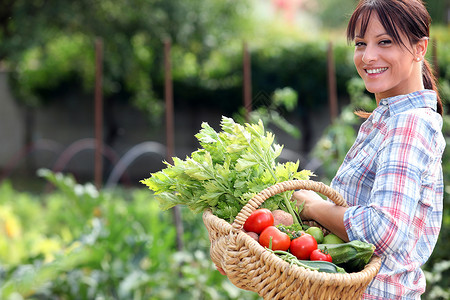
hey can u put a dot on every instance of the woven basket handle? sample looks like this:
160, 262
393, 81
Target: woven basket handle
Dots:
284, 186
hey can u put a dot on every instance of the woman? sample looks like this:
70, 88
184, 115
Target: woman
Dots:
392, 176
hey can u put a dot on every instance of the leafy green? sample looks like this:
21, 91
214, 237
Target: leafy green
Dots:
229, 169
293, 231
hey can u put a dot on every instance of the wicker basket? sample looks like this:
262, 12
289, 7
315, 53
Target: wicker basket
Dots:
250, 267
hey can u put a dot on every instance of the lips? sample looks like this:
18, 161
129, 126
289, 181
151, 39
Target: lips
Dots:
374, 71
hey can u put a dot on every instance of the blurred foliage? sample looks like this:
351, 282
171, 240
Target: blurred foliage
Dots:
301, 66
270, 109
55, 51
438, 10
335, 13
339, 136
81, 243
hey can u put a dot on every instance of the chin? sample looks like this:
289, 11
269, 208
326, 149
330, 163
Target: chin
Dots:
374, 90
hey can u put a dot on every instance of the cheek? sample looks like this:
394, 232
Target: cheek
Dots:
357, 60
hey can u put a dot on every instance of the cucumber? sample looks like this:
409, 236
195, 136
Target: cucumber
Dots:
352, 256
323, 266
320, 266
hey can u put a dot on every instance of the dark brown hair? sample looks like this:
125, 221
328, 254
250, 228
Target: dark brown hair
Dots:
409, 17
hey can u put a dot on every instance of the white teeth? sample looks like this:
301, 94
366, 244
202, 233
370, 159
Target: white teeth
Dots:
376, 71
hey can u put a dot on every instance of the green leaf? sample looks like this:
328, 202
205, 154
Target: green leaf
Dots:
207, 135
211, 198
168, 200
248, 160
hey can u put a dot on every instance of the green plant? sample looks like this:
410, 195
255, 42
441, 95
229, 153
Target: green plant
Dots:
339, 136
110, 245
437, 281
271, 110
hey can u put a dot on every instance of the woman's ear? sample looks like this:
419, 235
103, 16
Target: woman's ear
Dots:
421, 48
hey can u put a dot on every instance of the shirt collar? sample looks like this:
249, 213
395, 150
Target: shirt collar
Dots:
401, 103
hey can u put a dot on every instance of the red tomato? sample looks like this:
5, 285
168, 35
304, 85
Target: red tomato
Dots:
302, 246
259, 220
280, 240
318, 254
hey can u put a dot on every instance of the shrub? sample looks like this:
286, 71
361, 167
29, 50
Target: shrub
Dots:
104, 244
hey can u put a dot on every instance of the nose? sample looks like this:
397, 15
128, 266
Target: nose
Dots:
370, 54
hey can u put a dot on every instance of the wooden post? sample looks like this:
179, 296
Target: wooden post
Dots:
332, 90
98, 171
168, 97
247, 84
435, 58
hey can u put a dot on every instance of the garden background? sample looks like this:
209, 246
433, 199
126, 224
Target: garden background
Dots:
65, 235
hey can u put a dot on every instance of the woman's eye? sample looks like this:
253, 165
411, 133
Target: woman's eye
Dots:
359, 44
385, 42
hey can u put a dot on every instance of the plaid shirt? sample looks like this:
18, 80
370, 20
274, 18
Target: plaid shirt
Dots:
392, 179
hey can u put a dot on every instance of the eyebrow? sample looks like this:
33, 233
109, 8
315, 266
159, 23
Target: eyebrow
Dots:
381, 34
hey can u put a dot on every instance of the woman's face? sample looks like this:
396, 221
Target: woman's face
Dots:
387, 68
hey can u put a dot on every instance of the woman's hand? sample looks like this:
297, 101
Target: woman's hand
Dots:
308, 198
326, 213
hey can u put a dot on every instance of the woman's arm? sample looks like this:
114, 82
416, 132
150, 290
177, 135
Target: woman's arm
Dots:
328, 214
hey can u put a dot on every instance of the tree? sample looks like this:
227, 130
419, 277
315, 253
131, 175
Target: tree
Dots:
335, 13
56, 46
439, 11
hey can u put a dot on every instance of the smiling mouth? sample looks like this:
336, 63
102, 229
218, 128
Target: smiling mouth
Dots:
375, 71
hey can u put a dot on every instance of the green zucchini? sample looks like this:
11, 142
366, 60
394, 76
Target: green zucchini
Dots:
352, 256
320, 266
323, 266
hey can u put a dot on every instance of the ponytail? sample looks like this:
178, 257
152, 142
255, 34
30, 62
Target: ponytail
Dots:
430, 83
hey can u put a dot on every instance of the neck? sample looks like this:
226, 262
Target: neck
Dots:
414, 84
